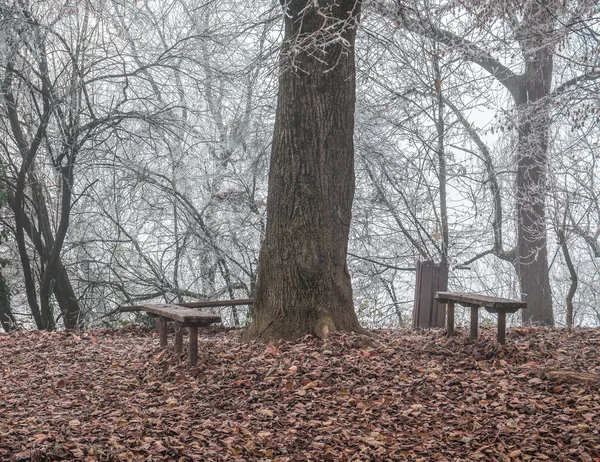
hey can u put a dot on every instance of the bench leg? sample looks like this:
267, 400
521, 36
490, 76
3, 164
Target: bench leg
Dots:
474, 322
450, 318
179, 339
162, 323
193, 345
501, 327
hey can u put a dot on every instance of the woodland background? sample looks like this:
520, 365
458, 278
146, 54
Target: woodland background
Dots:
135, 138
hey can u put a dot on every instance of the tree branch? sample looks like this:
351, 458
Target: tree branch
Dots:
590, 76
471, 52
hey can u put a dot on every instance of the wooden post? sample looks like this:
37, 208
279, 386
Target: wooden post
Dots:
474, 322
427, 311
450, 320
501, 327
193, 345
179, 339
163, 331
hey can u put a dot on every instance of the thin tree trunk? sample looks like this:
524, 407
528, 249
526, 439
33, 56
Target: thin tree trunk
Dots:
303, 284
7, 319
28, 152
58, 281
572, 273
226, 274
49, 274
66, 298
63, 289
442, 173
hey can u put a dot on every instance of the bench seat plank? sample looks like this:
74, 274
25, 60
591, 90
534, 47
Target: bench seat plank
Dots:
182, 314
491, 304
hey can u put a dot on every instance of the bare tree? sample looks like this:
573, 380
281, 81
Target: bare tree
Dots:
536, 29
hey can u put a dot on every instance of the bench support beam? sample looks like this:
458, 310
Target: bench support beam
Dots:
502, 327
474, 322
162, 324
179, 339
450, 318
193, 345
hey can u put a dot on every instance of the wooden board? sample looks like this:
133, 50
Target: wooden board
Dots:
204, 304
215, 303
182, 314
491, 304
427, 312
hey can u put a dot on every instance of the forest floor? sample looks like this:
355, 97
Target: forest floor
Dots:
396, 395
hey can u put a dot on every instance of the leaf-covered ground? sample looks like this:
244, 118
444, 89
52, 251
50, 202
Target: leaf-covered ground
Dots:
114, 395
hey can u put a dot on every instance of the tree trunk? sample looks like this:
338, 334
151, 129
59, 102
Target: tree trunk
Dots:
7, 319
532, 100
66, 298
63, 289
532, 264
440, 127
28, 274
303, 284
48, 244
562, 240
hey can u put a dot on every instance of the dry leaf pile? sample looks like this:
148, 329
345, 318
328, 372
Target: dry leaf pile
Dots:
395, 395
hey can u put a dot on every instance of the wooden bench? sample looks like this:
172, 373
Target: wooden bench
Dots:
476, 301
184, 316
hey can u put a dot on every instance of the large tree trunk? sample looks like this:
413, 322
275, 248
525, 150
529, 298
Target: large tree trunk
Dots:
533, 106
303, 284
532, 264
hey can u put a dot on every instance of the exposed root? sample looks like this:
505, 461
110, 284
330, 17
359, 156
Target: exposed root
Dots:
324, 332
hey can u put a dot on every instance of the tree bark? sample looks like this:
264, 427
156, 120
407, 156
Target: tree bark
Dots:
303, 284
562, 240
66, 298
440, 127
28, 151
531, 95
42, 240
7, 319
532, 264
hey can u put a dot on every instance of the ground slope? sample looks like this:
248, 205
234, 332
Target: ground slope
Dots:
398, 395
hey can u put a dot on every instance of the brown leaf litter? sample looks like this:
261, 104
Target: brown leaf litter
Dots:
404, 395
